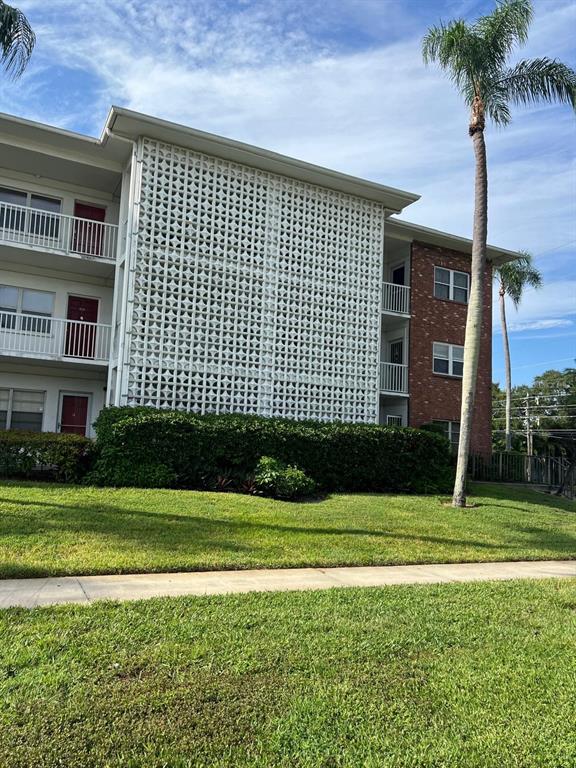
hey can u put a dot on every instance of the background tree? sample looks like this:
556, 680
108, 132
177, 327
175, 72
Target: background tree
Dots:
475, 57
552, 403
513, 277
17, 40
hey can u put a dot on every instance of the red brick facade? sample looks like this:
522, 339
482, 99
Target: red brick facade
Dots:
435, 396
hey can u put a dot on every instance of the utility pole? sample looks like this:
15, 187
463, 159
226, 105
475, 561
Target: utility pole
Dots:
529, 445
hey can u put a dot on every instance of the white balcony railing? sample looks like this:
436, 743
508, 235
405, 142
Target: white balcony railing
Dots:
55, 338
57, 231
396, 298
394, 378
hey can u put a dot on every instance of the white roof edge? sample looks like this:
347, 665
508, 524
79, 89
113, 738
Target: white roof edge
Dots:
446, 240
34, 124
137, 124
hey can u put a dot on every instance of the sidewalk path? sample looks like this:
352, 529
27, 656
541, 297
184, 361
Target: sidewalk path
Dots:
29, 593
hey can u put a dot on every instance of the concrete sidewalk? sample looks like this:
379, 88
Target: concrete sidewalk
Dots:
28, 593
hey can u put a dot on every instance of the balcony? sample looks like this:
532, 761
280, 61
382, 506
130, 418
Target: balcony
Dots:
396, 299
57, 232
50, 338
393, 379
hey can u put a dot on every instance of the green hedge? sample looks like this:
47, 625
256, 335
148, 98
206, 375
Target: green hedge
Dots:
149, 448
63, 457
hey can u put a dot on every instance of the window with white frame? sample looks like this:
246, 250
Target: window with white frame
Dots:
28, 212
448, 359
21, 409
25, 309
393, 421
452, 285
451, 430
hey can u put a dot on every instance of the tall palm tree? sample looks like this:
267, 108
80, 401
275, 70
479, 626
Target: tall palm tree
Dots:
513, 277
16, 40
475, 57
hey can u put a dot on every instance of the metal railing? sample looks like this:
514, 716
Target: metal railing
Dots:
548, 471
50, 337
57, 231
396, 298
393, 378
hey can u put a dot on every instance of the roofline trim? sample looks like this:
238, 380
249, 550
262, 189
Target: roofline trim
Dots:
446, 240
393, 199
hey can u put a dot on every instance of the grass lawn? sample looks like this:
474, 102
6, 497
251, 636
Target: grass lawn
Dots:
451, 676
50, 529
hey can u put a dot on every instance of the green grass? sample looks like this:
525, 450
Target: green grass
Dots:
56, 529
451, 676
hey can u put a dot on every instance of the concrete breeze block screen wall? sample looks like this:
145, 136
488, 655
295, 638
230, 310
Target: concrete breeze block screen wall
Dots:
252, 292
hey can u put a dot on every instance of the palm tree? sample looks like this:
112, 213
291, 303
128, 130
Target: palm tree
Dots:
512, 278
475, 57
16, 40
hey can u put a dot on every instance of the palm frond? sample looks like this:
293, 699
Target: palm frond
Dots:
536, 80
503, 29
457, 51
495, 102
444, 44
515, 276
17, 39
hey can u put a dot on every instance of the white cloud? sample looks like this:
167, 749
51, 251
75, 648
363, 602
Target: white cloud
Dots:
278, 75
269, 74
539, 325
551, 306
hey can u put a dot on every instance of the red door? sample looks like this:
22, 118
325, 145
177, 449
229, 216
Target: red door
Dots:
88, 229
74, 414
81, 328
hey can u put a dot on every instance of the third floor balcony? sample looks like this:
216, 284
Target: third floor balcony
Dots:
46, 230
396, 299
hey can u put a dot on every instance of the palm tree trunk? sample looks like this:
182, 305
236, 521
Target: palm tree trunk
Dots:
475, 304
502, 299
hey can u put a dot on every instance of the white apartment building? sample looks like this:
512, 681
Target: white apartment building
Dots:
163, 266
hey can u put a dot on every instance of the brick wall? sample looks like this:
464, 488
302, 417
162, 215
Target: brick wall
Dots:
434, 396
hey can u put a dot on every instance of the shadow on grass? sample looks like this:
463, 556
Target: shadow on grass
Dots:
170, 531
510, 494
140, 539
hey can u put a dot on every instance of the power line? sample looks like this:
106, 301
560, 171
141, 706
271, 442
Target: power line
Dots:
536, 397
543, 410
550, 432
552, 250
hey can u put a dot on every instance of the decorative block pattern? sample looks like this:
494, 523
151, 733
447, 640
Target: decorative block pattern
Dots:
253, 292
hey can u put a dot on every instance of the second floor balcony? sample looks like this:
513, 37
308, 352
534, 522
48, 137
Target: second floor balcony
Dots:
396, 299
57, 232
394, 378
51, 338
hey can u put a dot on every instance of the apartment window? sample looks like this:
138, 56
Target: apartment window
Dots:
451, 285
451, 431
24, 309
393, 421
448, 359
41, 217
21, 409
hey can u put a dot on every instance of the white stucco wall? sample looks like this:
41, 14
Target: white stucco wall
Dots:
54, 381
62, 286
68, 194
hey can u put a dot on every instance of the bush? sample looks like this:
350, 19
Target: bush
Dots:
144, 447
64, 457
274, 478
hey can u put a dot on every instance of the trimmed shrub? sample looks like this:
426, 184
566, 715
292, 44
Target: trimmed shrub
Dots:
64, 457
276, 479
188, 450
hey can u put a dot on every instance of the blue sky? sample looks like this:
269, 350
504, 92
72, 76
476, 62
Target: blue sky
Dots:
339, 83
